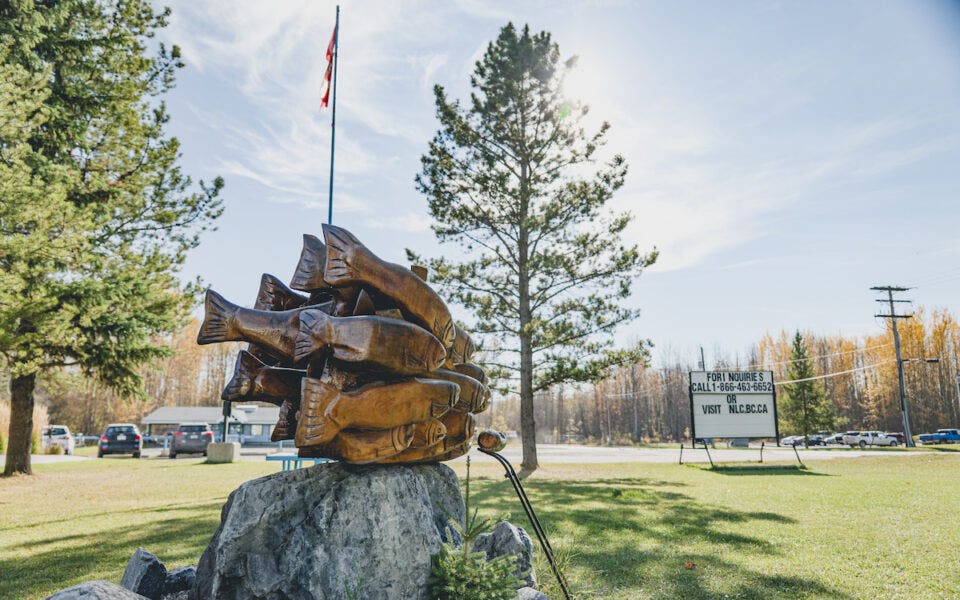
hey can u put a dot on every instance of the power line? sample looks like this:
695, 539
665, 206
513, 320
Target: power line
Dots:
786, 362
864, 368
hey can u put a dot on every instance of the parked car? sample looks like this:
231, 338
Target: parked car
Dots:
899, 435
836, 438
792, 440
942, 436
57, 435
850, 438
120, 438
872, 438
816, 440
191, 438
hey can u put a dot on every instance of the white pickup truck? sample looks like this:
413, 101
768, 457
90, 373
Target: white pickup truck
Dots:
869, 438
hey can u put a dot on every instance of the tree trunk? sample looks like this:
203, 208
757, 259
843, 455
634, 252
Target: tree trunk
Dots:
528, 425
21, 425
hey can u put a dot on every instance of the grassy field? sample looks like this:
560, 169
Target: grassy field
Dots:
848, 528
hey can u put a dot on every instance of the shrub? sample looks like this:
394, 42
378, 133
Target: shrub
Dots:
459, 574
34, 443
54, 449
3, 444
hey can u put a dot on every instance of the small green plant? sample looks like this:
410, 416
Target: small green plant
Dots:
54, 450
459, 574
34, 443
3, 444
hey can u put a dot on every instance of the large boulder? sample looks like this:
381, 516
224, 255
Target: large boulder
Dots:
331, 531
96, 590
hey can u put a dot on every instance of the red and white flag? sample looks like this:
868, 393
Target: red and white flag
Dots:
328, 75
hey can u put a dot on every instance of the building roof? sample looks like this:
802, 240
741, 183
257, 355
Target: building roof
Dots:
242, 413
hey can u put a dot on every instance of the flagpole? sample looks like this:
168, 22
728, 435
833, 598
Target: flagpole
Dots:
333, 115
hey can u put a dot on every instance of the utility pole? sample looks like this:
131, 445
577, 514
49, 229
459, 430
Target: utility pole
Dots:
703, 361
893, 316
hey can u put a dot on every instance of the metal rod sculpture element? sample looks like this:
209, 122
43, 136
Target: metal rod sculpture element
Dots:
761, 452
795, 451
681, 453
490, 443
333, 114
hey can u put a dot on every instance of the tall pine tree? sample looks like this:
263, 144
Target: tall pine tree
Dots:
95, 214
805, 407
512, 178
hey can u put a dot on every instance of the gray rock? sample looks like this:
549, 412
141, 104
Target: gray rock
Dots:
528, 593
145, 575
184, 595
331, 531
509, 539
95, 590
178, 580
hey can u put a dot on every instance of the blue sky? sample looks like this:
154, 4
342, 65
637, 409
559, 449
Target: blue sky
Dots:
785, 156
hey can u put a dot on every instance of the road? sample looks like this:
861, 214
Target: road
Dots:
569, 453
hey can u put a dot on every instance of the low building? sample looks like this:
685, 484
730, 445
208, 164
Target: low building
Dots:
248, 422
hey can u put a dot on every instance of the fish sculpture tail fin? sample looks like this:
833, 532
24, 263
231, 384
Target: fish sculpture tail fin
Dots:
315, 425
304, 345
309, 274
274, 295
217, 313
243, 373
341, 244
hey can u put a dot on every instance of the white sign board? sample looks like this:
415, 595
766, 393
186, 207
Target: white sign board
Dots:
731, 404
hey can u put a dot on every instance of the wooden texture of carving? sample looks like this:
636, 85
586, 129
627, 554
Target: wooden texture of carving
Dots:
366, 367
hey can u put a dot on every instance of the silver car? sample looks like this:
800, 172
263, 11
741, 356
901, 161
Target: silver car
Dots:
191, 438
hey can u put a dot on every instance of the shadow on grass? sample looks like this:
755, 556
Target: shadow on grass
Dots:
635, 531
765, 470
77, 556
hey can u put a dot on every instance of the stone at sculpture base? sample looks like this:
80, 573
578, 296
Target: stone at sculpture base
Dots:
220, 452
332, 531
96, 590
145, 574
507, 538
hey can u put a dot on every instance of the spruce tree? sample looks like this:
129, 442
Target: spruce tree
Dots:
805, 406
513, 178
95, 214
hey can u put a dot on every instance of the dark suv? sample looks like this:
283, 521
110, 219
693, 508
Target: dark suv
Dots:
120, 438
191, 438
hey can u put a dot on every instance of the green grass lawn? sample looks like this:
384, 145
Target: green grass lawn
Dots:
847, 528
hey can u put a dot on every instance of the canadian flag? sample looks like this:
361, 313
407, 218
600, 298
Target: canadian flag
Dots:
328, 75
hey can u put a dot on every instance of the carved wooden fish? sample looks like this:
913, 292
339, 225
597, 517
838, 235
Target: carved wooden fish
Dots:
367, 446
349, 262
275, 331
396, 346
326, 410
255, 381
473, 394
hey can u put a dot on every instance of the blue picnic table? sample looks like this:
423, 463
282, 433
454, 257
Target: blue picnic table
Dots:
292, 461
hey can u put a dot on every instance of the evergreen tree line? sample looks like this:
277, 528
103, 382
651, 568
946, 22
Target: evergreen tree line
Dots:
642, 403
633, 404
